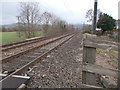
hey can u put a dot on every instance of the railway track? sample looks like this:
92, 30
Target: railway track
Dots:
26, 49
13, 48
22, 63
27, 41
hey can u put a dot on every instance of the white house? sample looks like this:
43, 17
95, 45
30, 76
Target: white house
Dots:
117, 24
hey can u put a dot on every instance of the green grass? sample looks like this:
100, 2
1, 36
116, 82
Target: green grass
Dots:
8, 37
110, 53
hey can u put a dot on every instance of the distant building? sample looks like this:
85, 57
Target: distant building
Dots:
117, 24
98, 29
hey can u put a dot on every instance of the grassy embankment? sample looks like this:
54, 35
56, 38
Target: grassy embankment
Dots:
7, 37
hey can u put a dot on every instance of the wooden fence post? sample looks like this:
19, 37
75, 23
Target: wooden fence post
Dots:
89, 56
90, 43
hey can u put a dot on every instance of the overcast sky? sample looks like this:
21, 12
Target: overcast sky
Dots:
73, 11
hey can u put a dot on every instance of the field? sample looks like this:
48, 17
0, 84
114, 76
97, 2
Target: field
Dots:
7, 37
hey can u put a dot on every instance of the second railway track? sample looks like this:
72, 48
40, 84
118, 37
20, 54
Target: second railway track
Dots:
27, 41
10, 49
15, 52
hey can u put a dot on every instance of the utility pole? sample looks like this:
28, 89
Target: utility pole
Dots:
18, 17
95, 17
83, 25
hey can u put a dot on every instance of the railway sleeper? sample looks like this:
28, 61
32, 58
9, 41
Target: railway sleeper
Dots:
15, 82
31, 56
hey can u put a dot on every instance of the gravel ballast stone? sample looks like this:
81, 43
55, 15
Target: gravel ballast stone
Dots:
62, 68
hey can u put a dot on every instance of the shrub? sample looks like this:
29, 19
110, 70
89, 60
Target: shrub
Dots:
87, 31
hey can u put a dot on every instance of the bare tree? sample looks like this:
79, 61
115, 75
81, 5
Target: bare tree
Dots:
52, 23
89, 15
58, 25
46, 19
30, 17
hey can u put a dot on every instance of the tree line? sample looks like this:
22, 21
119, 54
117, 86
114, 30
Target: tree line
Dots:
31, 20
105, 22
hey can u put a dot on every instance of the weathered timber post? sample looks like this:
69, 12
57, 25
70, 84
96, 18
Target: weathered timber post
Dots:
89, 56
90, 69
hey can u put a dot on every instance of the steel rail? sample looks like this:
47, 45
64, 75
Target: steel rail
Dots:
6, 59
26, 42
25, 67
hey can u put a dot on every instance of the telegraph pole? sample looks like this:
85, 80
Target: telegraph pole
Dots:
18, 17
95, 17
83, 25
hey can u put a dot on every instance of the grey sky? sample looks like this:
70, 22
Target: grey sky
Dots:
73, 11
